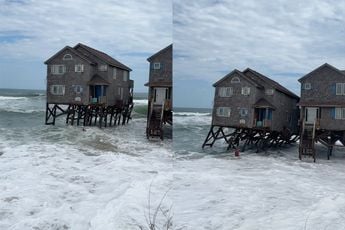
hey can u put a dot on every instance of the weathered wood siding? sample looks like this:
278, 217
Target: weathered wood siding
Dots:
164, 74
285, 113
235, 102
323, 96
69, 79
323, 87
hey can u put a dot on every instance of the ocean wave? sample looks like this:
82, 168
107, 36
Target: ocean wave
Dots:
140, 101
12, 98
188, 114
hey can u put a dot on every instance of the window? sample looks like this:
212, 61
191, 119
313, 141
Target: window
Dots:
340, 89
58, 69
235, 80
103, 68
114, 73
79, 68
156, 65
340, 113
225, 91
269, 92
223, 112
67, 57
307, 86
78, 88
120, 93
243, 112
125, 75
57, 90
245, 90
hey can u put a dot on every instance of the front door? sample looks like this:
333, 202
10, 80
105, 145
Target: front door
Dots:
311, 115
159, 96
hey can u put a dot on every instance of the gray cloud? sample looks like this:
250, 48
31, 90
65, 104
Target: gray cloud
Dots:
116, 27
273, 37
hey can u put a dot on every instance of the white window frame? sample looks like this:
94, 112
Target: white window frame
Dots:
114, 73
125, 76
340, 88
156, 65
235, 80
340, 113
223, 111
120, 92
225, 91
245, 90
103, 68
79, 68
57, 69
307, 86
58, 90
67, 57
244, 112
78, 89
269, 92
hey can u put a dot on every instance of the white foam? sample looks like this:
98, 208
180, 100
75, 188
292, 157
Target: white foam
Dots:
140, 102
191, 114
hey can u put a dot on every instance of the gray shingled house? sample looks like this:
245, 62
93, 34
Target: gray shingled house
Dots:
82, 75
160, 92
322, 108
250, 99
255, 107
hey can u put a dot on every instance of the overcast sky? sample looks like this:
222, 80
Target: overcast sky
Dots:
283, 39
31, 31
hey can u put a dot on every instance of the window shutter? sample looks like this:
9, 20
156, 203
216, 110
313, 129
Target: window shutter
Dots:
338, 89
333, 113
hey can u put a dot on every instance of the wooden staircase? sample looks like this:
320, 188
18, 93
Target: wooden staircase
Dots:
307, 141
155, 121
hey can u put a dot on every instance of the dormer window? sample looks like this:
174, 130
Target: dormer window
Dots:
307, 86
235, 80
67, 57
103, 68
269, 92
157, 65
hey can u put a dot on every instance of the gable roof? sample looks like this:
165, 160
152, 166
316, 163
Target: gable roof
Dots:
272, 83
239, 73
263, 103
160, 52
103, 56
97, 80
70, 49
326, 65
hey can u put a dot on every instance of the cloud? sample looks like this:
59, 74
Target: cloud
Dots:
39, 28
273, 37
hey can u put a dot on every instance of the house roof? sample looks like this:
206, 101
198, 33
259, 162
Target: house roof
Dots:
263, 103
160, 52
103, 56
326, 65
272, 83
239, 73
74, 51
98, 80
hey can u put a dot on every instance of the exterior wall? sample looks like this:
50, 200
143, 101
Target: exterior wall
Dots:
162, 78
323, 91
163, 75
69, 79
235, 102
72, 78
323, 87
285, 114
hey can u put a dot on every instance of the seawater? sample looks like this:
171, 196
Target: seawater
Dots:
66, 177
